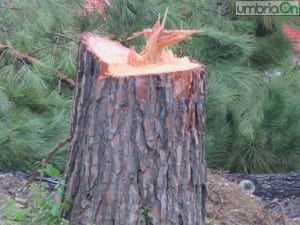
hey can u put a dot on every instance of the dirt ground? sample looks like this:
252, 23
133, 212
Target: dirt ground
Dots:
227, 203
11, 187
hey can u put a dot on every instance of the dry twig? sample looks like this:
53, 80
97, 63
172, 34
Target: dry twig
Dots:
11, 7
49, 156
62, 36
49, 46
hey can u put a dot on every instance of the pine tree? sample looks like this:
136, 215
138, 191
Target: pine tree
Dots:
35, 105
248, 129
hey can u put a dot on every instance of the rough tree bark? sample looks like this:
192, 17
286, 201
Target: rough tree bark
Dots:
136, 141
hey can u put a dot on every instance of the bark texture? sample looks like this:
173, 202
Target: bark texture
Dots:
136, 142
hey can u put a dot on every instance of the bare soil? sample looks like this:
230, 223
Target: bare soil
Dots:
227, 203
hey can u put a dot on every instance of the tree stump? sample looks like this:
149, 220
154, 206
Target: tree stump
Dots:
137, 139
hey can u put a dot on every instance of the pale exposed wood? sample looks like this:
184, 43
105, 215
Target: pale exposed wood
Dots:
115, 56
154, 59
156, 40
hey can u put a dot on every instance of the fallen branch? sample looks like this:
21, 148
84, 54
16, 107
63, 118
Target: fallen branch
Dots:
48, 158
30, 60
55, 149
13, 8
49, 46
62, 36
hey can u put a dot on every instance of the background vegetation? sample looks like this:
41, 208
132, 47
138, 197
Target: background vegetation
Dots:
253, 107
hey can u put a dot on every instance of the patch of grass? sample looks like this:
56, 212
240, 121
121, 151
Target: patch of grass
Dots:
43, 206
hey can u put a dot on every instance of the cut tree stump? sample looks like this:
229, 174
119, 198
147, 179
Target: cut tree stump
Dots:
137, 139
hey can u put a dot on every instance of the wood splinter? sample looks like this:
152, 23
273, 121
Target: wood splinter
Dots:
157, 39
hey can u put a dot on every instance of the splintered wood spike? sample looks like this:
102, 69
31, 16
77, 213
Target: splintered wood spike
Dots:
157, 39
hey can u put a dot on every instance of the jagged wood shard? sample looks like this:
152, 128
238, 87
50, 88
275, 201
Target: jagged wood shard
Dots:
154, 58
156, 40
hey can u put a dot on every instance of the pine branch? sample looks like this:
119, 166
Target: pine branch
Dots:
26, 59
62, 35
49, 46
55, 149
13, 8
48, 158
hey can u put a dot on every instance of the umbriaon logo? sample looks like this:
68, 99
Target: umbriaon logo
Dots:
259, 8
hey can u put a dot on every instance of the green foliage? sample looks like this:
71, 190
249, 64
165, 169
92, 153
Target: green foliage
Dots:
271, 50
252, 120
214, 45
43, 207
51, 171
259, 130
213, 222
36, 110
145, 216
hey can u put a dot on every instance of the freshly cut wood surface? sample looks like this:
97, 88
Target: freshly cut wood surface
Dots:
155, 58
115, 56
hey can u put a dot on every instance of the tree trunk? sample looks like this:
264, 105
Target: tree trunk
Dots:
137, 141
